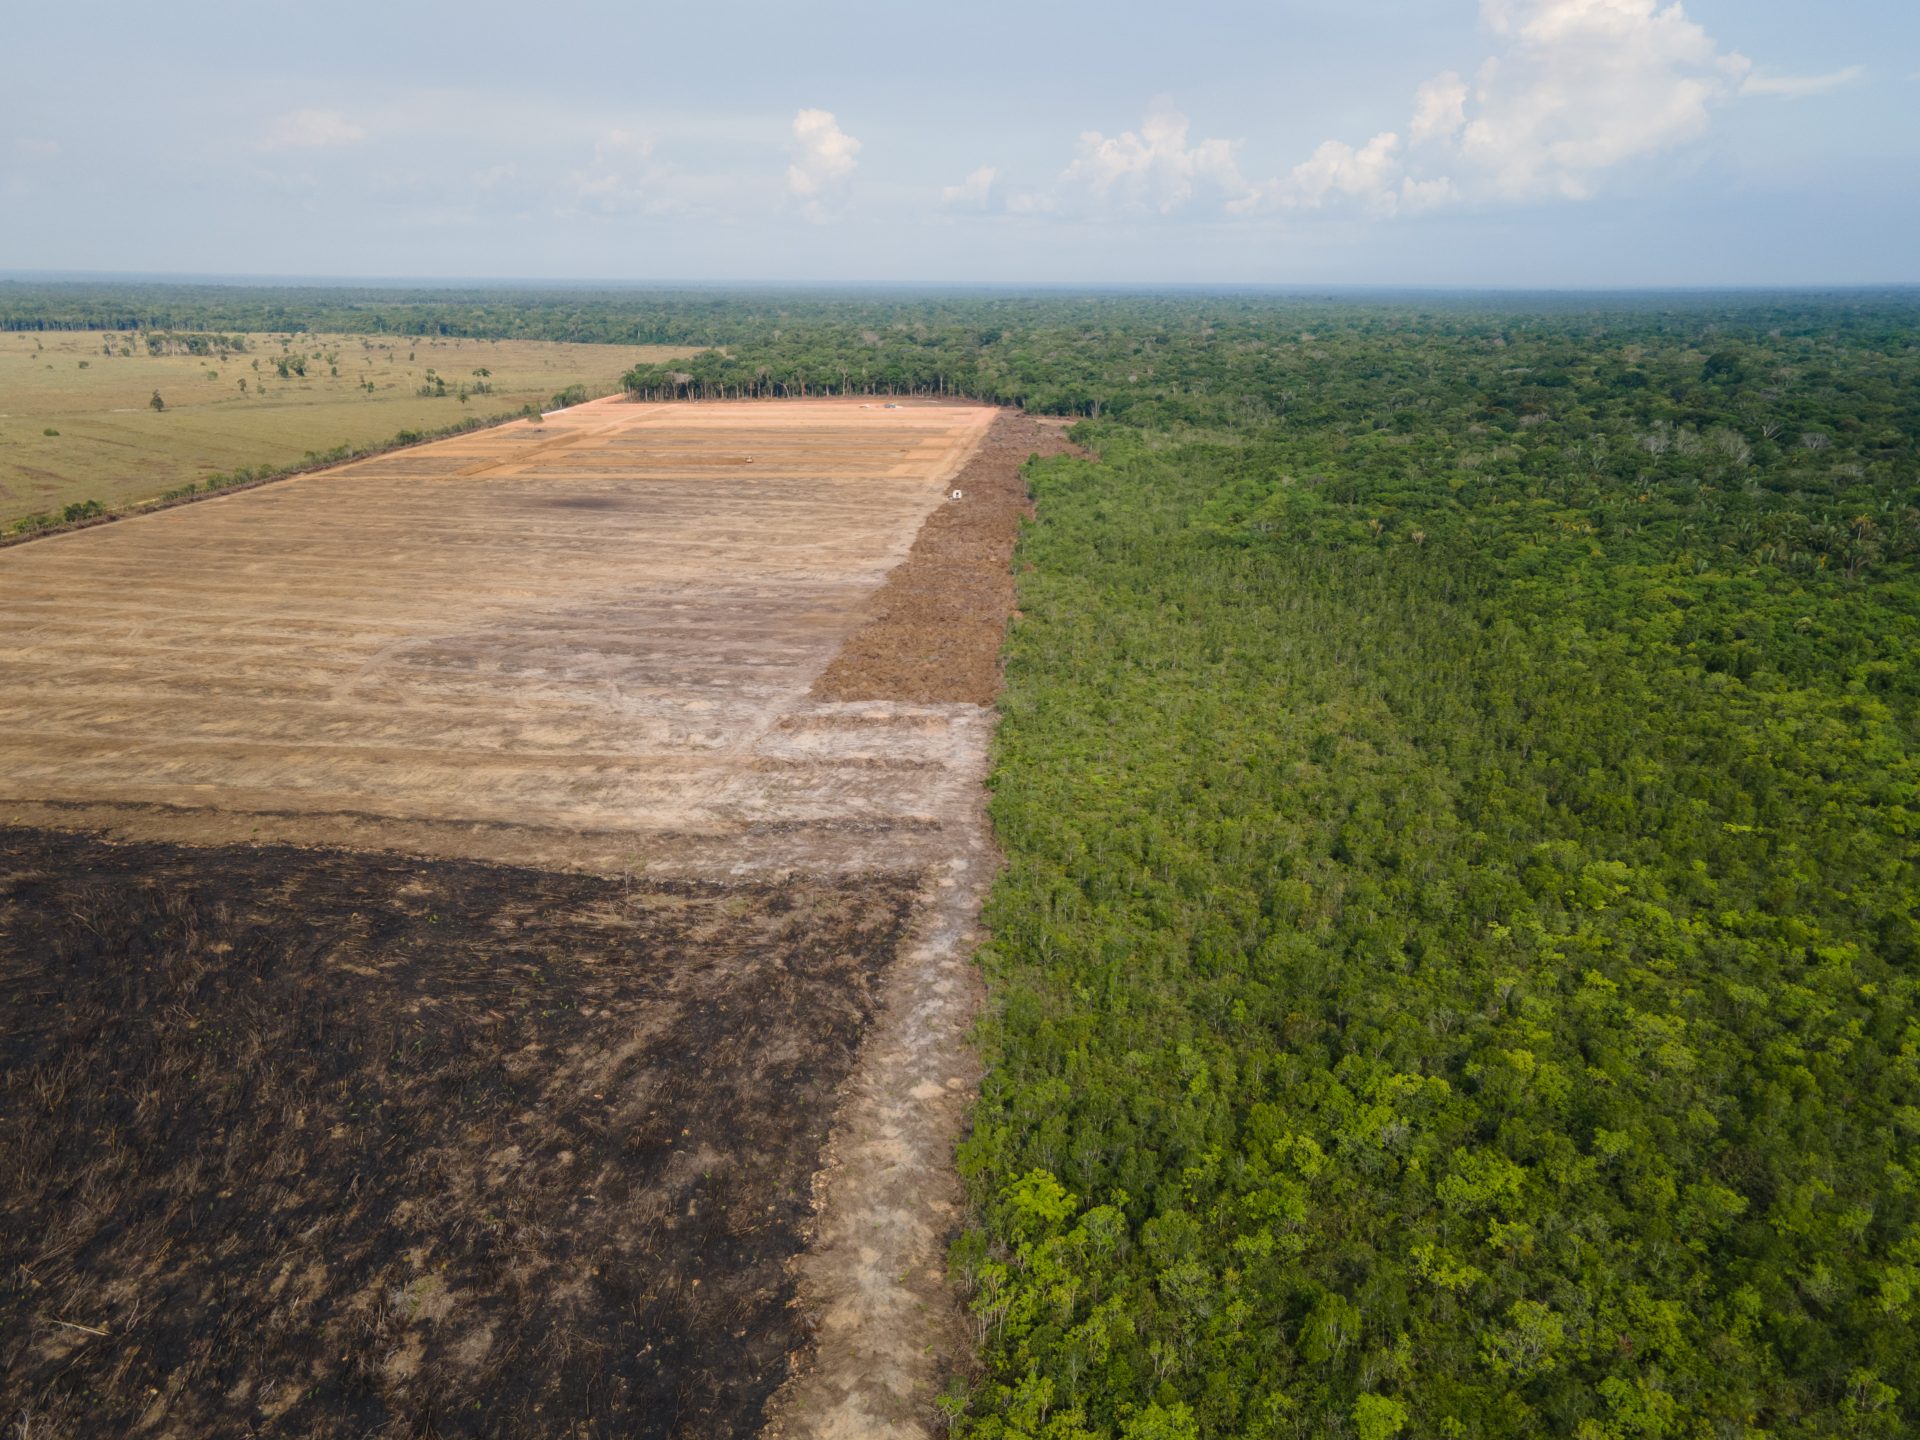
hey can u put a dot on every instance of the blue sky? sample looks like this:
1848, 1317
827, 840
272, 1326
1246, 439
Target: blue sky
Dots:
1428, 142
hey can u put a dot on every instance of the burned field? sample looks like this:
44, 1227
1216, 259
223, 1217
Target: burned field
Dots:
331, 1143
460, 971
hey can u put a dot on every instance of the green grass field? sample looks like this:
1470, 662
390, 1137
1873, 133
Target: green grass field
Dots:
77, 422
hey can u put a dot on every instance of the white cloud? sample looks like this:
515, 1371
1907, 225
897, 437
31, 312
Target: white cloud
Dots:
1370, 175
1585, 85
981, 190
1417, 195
34, 148
1575, 89
1154, 169
823, 161
1439, 109
310, 130
1798, 87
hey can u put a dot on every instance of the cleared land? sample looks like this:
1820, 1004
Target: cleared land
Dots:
582, 643
325, 1144
446, 934
95, 389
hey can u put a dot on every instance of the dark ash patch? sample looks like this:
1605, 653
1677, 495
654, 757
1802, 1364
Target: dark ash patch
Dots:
347, 1144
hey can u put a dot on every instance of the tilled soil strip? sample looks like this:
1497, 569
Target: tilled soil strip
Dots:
935, 627
872, 1282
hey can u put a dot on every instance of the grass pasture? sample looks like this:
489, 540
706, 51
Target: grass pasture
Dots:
232, 408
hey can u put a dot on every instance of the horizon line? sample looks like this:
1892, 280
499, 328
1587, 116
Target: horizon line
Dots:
11, 276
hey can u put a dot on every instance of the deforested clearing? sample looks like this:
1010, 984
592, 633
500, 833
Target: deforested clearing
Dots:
351, 1143
445, 931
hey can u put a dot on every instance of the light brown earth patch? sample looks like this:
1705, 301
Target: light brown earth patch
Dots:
584, 644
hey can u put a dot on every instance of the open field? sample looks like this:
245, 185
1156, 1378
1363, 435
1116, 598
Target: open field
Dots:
94, 388
447, 936
586, 642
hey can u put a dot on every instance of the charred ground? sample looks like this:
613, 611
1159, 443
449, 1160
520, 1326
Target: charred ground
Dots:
325, 1142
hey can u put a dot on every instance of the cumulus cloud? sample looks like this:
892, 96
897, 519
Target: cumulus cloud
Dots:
823, 161
1582, 86
981, 190
1033, 202
1439, 109
1574, 90
1154, 169
1798, 87
310, 130
1417, 195
1337, 170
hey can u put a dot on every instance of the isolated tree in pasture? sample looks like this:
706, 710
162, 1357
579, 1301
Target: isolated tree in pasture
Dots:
157, 403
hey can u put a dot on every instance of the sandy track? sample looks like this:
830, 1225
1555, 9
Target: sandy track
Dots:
873, 1280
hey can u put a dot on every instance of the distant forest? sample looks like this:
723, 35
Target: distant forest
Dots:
1456, 969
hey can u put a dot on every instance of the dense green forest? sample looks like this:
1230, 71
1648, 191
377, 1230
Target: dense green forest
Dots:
1456, 970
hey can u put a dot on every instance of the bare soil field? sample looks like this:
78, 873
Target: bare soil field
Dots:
461, 972
585, 643
94, 389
